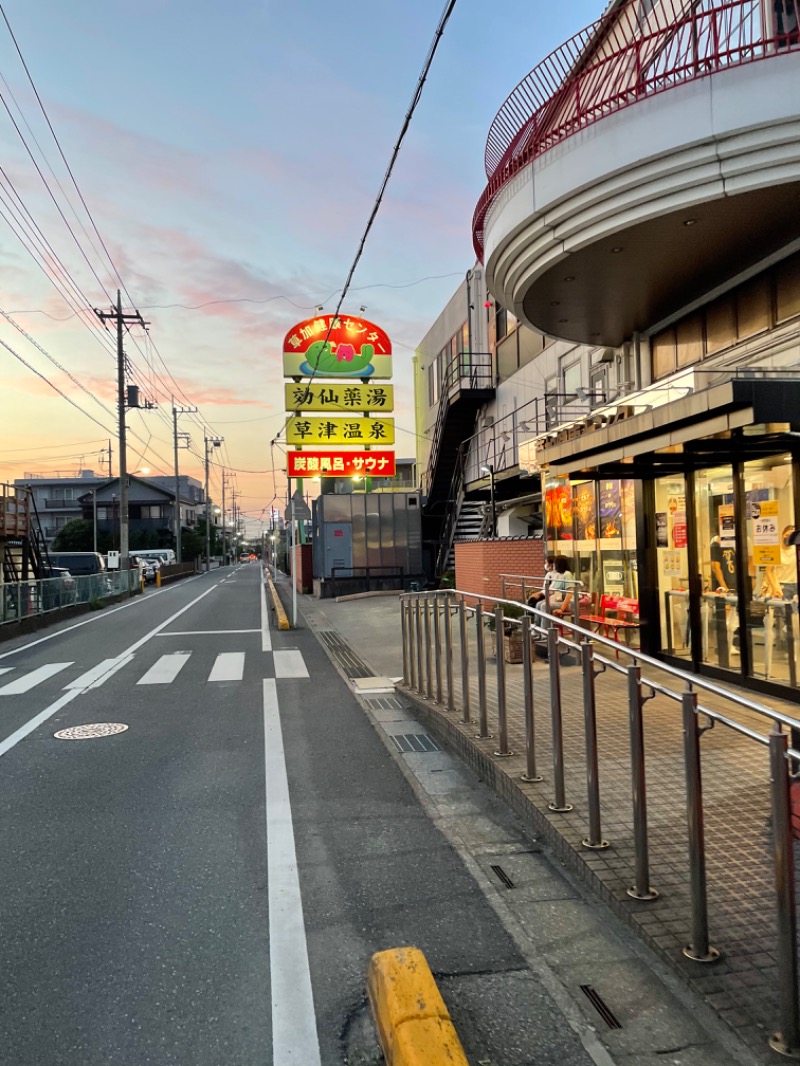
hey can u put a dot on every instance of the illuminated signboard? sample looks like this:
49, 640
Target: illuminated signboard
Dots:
341, 464
338, 397
345, 347
316, 431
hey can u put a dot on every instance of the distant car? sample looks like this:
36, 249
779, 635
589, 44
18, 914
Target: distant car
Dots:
244, 558
148, 568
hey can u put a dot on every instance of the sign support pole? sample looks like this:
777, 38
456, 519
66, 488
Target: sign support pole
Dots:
293, 564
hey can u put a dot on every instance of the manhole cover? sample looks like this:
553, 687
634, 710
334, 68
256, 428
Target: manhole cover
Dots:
89, 732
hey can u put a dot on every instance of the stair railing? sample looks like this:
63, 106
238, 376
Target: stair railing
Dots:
455, 498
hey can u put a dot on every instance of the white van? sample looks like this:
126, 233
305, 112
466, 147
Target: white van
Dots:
163, 555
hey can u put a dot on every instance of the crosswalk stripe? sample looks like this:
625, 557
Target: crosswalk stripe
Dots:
31, 680
6, 669
289, 663
91, 678
229, 666
166, 669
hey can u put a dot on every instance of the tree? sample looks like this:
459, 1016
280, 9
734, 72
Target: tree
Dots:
76, 536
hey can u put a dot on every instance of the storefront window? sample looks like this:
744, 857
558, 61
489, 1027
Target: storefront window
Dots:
593, 523
718, 564
771, 575
672, 560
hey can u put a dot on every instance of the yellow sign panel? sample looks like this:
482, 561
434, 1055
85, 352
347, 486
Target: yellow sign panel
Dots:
321, 431
339, 399
766, 555
766, 535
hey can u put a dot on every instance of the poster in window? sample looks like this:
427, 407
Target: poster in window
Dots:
583, 512
558, 511
727, 525
610, 510
766, 534
662, 530
628, 511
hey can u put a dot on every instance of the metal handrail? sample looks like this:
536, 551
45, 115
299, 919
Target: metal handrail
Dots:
422, 662
618, 61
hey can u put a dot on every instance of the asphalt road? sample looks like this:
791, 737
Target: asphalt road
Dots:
206, 887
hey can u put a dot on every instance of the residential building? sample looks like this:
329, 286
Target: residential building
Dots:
57, 499
642, 207
151, 509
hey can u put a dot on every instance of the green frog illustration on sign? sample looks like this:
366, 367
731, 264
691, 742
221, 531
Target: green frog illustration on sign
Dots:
345, 360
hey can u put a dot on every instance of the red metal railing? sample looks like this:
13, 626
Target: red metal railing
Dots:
640, 49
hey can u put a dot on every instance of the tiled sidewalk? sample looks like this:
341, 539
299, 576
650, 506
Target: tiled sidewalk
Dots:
742, 986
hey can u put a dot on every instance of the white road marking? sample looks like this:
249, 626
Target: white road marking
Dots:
289, 663
48, 712
229, 666
294, 1027
266, 639
34, 723
166, 669
31, 680
6, 669
95, 677
207, 632
99, 615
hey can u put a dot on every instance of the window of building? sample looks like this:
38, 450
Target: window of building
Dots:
572, 379
787, 289
500, 322
720, 324
753, 307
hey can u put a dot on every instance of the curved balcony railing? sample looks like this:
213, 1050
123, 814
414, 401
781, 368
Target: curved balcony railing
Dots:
621, 59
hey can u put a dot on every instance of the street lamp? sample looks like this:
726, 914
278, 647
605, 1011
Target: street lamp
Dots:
490, 471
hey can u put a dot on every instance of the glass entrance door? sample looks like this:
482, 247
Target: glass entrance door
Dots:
718, 566
672, 563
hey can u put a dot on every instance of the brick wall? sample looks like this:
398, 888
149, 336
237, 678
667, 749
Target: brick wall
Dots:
479, 564
303, 568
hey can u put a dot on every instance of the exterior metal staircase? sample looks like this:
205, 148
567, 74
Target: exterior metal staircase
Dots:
468, 384
22, 547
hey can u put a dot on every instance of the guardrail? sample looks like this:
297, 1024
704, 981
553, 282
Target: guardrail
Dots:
429, 667
26, 599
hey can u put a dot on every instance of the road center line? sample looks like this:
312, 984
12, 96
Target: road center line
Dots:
294, 1026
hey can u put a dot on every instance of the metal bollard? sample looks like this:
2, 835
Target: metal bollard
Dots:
787, 1040
641, 889
418, 619
437, 646
464, 637
428, 649
502, 709
404, 638
530, 774
560, 805
483, 712
595, 839
448, 653
699, 949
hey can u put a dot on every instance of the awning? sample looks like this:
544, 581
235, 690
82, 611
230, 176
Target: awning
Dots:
669, 434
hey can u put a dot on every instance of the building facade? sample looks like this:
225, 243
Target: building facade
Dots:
642, 206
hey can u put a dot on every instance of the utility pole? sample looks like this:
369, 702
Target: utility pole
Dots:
214, 442
116, 314
185, 442
224, 545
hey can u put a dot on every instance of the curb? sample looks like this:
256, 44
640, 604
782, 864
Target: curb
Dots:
280, 613
414, 1025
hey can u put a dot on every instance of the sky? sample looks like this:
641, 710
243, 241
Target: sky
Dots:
229, 157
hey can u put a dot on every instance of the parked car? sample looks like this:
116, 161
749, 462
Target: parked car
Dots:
89, 568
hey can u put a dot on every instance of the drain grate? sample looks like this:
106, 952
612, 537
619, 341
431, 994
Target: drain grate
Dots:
344, 655
419, 742
602, 1008
89, 732
384, 703
501, 875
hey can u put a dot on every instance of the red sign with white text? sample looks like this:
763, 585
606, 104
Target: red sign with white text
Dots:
341, 464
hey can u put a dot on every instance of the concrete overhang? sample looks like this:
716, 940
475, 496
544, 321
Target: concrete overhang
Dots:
628, 221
